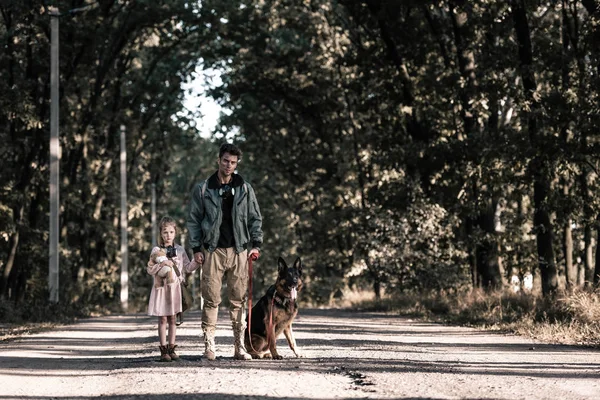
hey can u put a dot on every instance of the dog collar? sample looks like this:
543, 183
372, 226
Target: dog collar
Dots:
283, 301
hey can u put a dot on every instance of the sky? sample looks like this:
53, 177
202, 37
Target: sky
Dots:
196, 99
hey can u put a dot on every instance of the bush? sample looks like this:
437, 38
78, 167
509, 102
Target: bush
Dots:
35, 312
572, 318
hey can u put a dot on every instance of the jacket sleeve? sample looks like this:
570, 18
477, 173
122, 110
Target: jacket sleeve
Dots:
195, 217
254, 219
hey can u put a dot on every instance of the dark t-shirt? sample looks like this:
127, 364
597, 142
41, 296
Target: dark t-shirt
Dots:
226, 238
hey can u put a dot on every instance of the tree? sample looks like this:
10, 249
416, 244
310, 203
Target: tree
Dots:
125, 67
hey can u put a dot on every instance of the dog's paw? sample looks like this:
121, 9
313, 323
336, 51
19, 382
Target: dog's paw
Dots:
299, 354
277, 357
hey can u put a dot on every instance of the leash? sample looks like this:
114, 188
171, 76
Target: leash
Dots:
250, 259
271, 328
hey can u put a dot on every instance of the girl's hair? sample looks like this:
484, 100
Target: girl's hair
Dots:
164, 222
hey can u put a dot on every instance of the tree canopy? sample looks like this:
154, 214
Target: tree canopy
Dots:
394, 145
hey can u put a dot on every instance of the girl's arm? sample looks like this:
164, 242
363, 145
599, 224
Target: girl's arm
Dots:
188, 266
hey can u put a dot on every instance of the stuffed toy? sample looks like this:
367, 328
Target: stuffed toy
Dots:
159, 257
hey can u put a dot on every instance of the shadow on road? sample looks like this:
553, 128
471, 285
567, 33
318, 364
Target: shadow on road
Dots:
212, 396
332, 340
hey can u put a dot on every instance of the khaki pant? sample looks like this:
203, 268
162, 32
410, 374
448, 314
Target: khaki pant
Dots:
220, 263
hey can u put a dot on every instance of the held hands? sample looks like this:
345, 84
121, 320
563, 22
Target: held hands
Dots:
254, 254
199, 257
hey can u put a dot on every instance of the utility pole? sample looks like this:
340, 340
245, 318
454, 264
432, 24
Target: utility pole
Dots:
153, 216
54, 157
124, 247
54, 228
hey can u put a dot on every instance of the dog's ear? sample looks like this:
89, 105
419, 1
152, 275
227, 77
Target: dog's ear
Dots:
298, 264
281, 265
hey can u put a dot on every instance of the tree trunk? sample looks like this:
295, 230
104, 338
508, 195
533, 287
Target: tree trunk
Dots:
5, 284
489, 266
544, 236
539, 167
487, 257
466, 67
475, 278
570, 270
588, 256
597, 271
521, 256
585, 177
580, 275
489, 261
593, 9
377, 289
10, 262
414, 126
567, 234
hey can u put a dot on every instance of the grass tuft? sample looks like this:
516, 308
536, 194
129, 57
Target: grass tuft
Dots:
571, 318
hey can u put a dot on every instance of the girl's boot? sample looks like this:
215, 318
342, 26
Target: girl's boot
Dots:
172, 353
164, 353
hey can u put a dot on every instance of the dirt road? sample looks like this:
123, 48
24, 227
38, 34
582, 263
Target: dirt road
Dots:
347, 355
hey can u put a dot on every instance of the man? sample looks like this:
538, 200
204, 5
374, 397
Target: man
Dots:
224, 221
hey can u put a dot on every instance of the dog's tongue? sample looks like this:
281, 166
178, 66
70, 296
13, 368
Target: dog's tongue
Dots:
293, 293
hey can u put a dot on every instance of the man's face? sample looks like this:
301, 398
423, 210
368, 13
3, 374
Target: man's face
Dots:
227, 164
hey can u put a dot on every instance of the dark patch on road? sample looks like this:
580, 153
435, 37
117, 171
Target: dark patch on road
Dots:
360, 381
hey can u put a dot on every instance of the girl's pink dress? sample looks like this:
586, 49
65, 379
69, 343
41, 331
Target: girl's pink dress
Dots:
165, 297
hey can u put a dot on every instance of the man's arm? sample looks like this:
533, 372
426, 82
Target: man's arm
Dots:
254, 220
194, 221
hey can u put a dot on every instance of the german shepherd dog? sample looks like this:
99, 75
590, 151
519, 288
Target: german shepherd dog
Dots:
274, 313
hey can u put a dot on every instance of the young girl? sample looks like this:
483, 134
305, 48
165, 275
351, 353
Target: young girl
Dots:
165, 297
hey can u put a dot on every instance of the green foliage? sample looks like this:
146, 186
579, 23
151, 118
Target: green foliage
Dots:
39, 310
399, 136
570, 318
121, 65
400, 146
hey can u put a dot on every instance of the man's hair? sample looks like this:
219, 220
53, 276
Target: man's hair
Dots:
231, 149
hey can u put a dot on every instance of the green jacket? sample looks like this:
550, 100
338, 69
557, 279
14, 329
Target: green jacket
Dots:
205, 215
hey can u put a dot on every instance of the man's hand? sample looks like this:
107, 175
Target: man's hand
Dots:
199, 257
254, 254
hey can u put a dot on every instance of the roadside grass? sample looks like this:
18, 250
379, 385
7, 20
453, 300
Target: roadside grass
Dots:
33, 317
568, 318
38, 316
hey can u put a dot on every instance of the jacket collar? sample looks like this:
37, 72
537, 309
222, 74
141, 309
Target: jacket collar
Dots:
213, 181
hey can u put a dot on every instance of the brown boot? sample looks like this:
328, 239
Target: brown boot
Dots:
164, 353
240, 352
172, 353
209, 344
